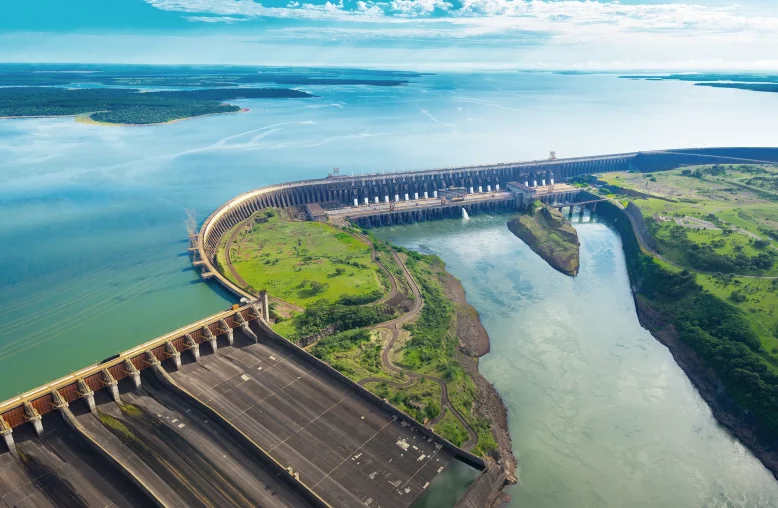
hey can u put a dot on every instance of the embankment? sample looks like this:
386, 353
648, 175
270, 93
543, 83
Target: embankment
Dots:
750, 430
549, 236
474, 343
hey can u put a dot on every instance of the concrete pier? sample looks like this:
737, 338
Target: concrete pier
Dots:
192, 346
173, 353
86, 393
112, 385
133, 372
34, 418
211, 338
223, 328
7, 432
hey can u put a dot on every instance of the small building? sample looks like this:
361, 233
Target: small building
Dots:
525, 191
316, 212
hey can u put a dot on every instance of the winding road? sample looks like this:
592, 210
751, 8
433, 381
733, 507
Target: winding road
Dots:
393, 325
644, 243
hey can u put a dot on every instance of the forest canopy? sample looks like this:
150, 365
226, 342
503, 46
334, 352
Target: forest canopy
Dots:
129, 106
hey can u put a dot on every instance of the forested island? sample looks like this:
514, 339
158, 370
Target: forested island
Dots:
130, 106
141, 95
752, 82
549, 236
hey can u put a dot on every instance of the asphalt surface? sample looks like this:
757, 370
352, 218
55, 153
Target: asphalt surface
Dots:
345, 449
61, 470
184, 457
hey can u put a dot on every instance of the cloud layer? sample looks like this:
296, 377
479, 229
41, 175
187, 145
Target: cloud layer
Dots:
565, 19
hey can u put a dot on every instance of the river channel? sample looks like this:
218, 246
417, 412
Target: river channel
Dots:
94, 258
600, 413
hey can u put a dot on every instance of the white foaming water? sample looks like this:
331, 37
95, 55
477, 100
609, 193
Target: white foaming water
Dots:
464, 214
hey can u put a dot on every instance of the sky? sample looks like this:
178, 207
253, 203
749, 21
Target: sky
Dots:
408, 34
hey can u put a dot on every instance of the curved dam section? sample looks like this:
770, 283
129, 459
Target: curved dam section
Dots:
385, 188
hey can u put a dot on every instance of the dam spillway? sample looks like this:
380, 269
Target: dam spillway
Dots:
223, 412
191, 417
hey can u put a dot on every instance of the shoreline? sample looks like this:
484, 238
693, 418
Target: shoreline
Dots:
725, 411
86, 119
746, 429
474, 343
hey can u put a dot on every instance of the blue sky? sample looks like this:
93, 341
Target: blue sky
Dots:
423, 34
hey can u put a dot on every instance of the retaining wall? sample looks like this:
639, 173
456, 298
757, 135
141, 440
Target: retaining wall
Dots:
484, 491
458, 452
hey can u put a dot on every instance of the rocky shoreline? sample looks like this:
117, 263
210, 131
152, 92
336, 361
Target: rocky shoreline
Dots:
759, 440
552, 238
474, 343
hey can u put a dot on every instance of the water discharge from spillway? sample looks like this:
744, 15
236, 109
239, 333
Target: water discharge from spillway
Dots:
464, 214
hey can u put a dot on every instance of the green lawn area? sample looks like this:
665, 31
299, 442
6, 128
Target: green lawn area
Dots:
450, 428
740, 201
301, 262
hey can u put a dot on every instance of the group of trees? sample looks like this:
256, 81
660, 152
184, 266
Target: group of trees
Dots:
431, 335
129, 106
343, 341
322, 314
703, 256
717, 331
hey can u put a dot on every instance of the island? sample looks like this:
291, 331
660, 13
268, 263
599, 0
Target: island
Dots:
390, 319
549, 235
120, 106
751, 82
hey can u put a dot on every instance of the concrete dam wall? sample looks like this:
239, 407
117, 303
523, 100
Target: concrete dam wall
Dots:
344, 190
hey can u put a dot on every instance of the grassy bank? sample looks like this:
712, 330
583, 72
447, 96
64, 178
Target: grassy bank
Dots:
304, 262
735, 350
550, 236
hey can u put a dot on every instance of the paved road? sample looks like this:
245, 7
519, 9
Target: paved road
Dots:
395, 325
644, 243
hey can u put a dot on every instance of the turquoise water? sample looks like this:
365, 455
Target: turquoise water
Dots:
94, 255
599, 412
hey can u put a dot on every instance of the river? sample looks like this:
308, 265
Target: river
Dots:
599, 412
94, 256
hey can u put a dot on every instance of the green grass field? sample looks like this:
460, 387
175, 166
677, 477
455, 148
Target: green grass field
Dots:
301, 262
731, 199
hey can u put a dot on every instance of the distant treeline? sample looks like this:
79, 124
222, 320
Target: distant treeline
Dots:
753, 82
128, 106
196, 77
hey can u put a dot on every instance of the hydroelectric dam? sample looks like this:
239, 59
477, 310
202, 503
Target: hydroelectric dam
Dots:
225, 412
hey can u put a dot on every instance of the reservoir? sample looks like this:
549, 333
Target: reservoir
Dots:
94, 258
599, 412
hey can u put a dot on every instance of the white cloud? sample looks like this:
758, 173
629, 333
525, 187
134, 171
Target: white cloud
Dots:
215, 19
564, 20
